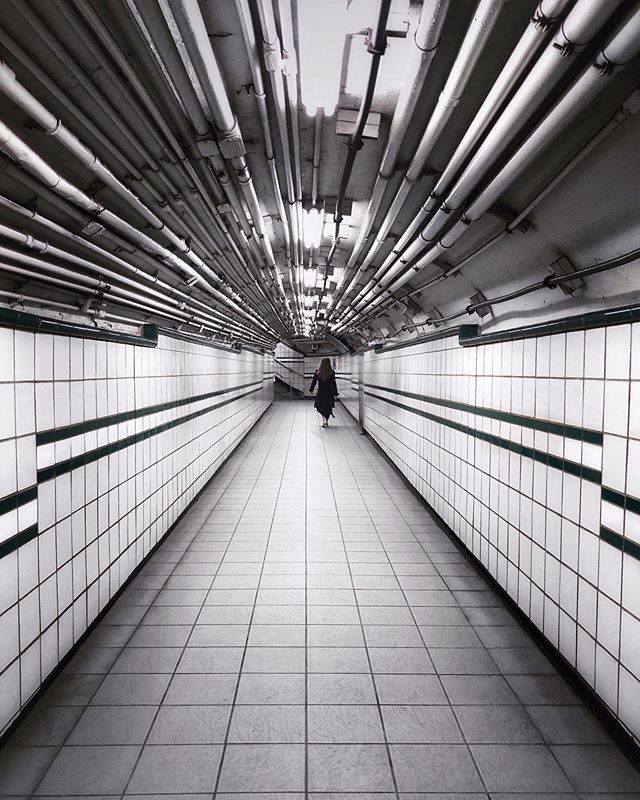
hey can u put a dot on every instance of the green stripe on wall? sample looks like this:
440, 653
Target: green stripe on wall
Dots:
66, 432
568, 431
621, 500
620, 542
12, 501
62, 467
9, 545
580, 471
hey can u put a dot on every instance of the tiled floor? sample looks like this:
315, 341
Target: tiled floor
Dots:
309, 632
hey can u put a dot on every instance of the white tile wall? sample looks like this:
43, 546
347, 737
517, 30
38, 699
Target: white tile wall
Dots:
564, 548
68, 546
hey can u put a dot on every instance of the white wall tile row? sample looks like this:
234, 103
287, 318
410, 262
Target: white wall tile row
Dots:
102, 446
528, 449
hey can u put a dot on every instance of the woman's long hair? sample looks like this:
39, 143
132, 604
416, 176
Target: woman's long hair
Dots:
325, 370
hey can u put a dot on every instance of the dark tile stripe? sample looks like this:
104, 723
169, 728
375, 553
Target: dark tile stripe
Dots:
568, 431
21, 538
66, 432
580, 471
620, 542
621, 500
12, 501
70, 464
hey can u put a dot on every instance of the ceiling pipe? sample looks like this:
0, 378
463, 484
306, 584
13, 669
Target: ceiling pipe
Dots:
107, 276
544, 20
578, 30
24, 59
629, 107
99, 291
161, 43
426, 40
248, 33
193, 30
376, 46
30, 161
620, 49
473, 44
291, 71
272, 53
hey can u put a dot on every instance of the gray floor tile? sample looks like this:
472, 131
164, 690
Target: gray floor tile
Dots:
46, 725
113, 725
597, 768
343, 689
274, 659
277, 636
410, 660
459, 661
568, 725
210, 659
333, 615
21, 768
271, 689
421, 725
263, 724
263, 768
171, 615
160, 636
147, 659
179, 768
349, 768
519, 768
345, 724
89, 770
72, 690
119, 690
337, 659
522, 661
543, 690
435, 768
190, 725
410, 690
219, 636
279, 615
335, 636
393, 636
450, 636
482, 690
497, 725
200, 690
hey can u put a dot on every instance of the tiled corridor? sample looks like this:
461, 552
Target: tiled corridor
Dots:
307, 631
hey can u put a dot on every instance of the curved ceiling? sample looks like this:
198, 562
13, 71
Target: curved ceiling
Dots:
265, 170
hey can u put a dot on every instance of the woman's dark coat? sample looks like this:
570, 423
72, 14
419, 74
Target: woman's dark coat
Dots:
327, 392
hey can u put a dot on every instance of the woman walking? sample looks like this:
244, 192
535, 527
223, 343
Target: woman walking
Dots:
325, 377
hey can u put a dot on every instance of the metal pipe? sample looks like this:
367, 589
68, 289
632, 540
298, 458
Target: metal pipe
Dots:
11, 144
579, 28
476, 37
244, 14
193, 30
426, 39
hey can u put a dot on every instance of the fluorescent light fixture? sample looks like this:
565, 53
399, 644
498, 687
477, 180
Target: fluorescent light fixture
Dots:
313, 224
309, 278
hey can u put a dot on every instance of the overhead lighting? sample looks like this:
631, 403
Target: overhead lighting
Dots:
313, 224
309, 278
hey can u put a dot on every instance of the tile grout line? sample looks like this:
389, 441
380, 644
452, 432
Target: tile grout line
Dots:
255, 599
366, 646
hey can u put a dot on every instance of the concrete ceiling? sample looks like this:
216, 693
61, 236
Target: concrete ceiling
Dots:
100, 68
